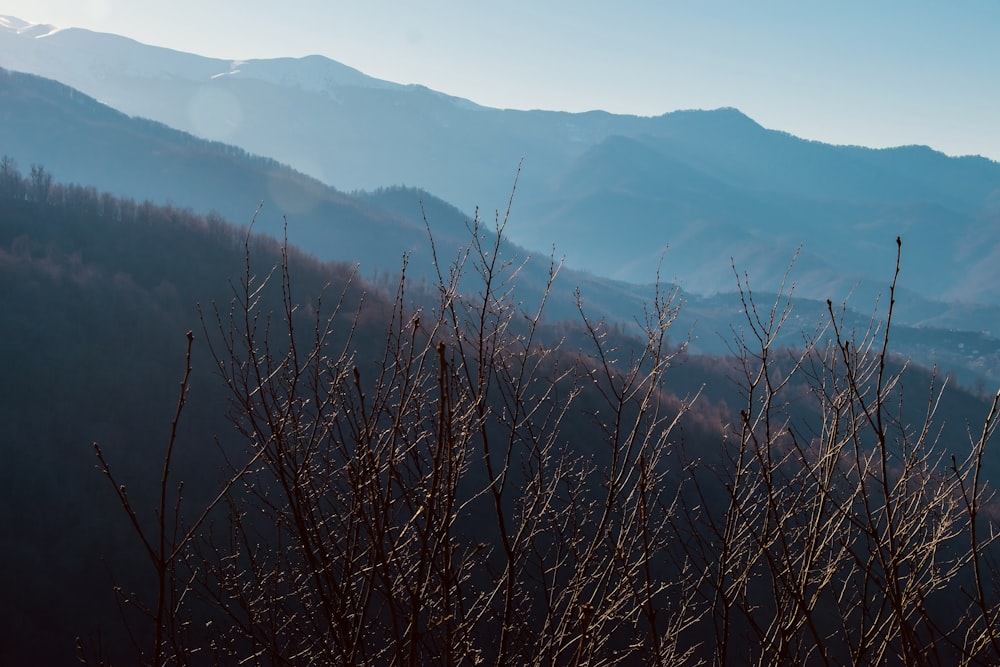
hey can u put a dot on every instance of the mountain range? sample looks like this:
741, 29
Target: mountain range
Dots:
693, 194
615, 194
141, 155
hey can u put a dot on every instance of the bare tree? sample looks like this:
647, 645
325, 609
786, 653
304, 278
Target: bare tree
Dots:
482, 494
11, 182
39, 184
844, 538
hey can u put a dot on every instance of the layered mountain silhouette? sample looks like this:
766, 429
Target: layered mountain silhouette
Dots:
97, 303
82, 141
612, 192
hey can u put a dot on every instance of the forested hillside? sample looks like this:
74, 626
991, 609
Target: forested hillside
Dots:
708, 184
80, 140
97, 294
432, 470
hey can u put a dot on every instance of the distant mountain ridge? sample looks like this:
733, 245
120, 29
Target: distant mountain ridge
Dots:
708, 185
82, 141
759, 196
614, 193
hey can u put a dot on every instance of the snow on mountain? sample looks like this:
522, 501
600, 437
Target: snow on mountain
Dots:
311, 74
85, 59
82, 59
20, 27
249, 103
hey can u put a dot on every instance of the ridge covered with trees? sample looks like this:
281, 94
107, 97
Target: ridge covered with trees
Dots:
87, 142
442, 474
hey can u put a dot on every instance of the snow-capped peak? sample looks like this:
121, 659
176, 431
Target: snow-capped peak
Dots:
21, 27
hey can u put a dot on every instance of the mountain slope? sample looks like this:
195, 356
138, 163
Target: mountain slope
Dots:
79, 139
769, 192
842, 205
95, 309
83, 141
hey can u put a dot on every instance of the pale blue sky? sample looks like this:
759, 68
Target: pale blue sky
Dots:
870, 73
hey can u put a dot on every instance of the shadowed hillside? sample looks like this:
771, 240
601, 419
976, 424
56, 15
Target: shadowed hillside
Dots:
98, 292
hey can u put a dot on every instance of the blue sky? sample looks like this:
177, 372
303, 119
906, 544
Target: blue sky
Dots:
870, 73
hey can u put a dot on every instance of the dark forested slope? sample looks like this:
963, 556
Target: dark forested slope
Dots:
83, 141
97, 293
95, 305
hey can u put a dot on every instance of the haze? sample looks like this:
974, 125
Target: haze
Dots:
852, 73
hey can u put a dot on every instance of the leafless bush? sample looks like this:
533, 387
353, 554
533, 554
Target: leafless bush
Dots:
482, 494
846, 538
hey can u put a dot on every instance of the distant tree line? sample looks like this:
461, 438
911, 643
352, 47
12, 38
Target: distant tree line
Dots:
94, 289
38, 186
